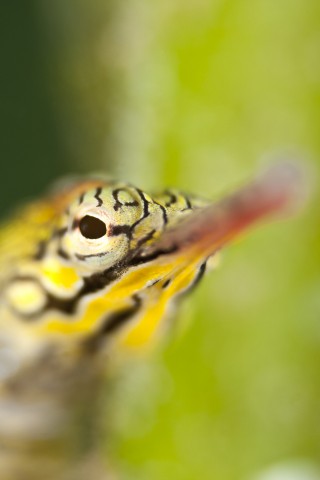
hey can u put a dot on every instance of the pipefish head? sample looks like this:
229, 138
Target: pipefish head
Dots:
113, 258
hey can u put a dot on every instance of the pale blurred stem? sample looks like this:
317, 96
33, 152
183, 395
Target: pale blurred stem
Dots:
98, 52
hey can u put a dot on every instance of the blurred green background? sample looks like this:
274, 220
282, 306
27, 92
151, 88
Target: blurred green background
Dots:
198, 95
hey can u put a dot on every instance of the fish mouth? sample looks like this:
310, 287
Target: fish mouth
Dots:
276, 192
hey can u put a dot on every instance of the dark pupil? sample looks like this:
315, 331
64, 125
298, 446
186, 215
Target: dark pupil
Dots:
92, 227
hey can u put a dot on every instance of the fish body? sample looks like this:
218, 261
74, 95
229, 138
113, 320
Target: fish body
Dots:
98, 263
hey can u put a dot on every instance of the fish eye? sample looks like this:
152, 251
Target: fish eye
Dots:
92, 228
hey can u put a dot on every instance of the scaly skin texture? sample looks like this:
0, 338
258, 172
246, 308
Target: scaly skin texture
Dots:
91, 270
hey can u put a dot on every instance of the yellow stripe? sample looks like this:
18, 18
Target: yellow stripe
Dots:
112, 300
145, 330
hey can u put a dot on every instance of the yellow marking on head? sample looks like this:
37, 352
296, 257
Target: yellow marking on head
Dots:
144, 331
60, 276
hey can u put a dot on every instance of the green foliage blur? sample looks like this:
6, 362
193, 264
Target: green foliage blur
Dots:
197, 95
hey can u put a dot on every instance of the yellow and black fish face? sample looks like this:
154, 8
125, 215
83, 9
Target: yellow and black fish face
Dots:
84, 269
104, 259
